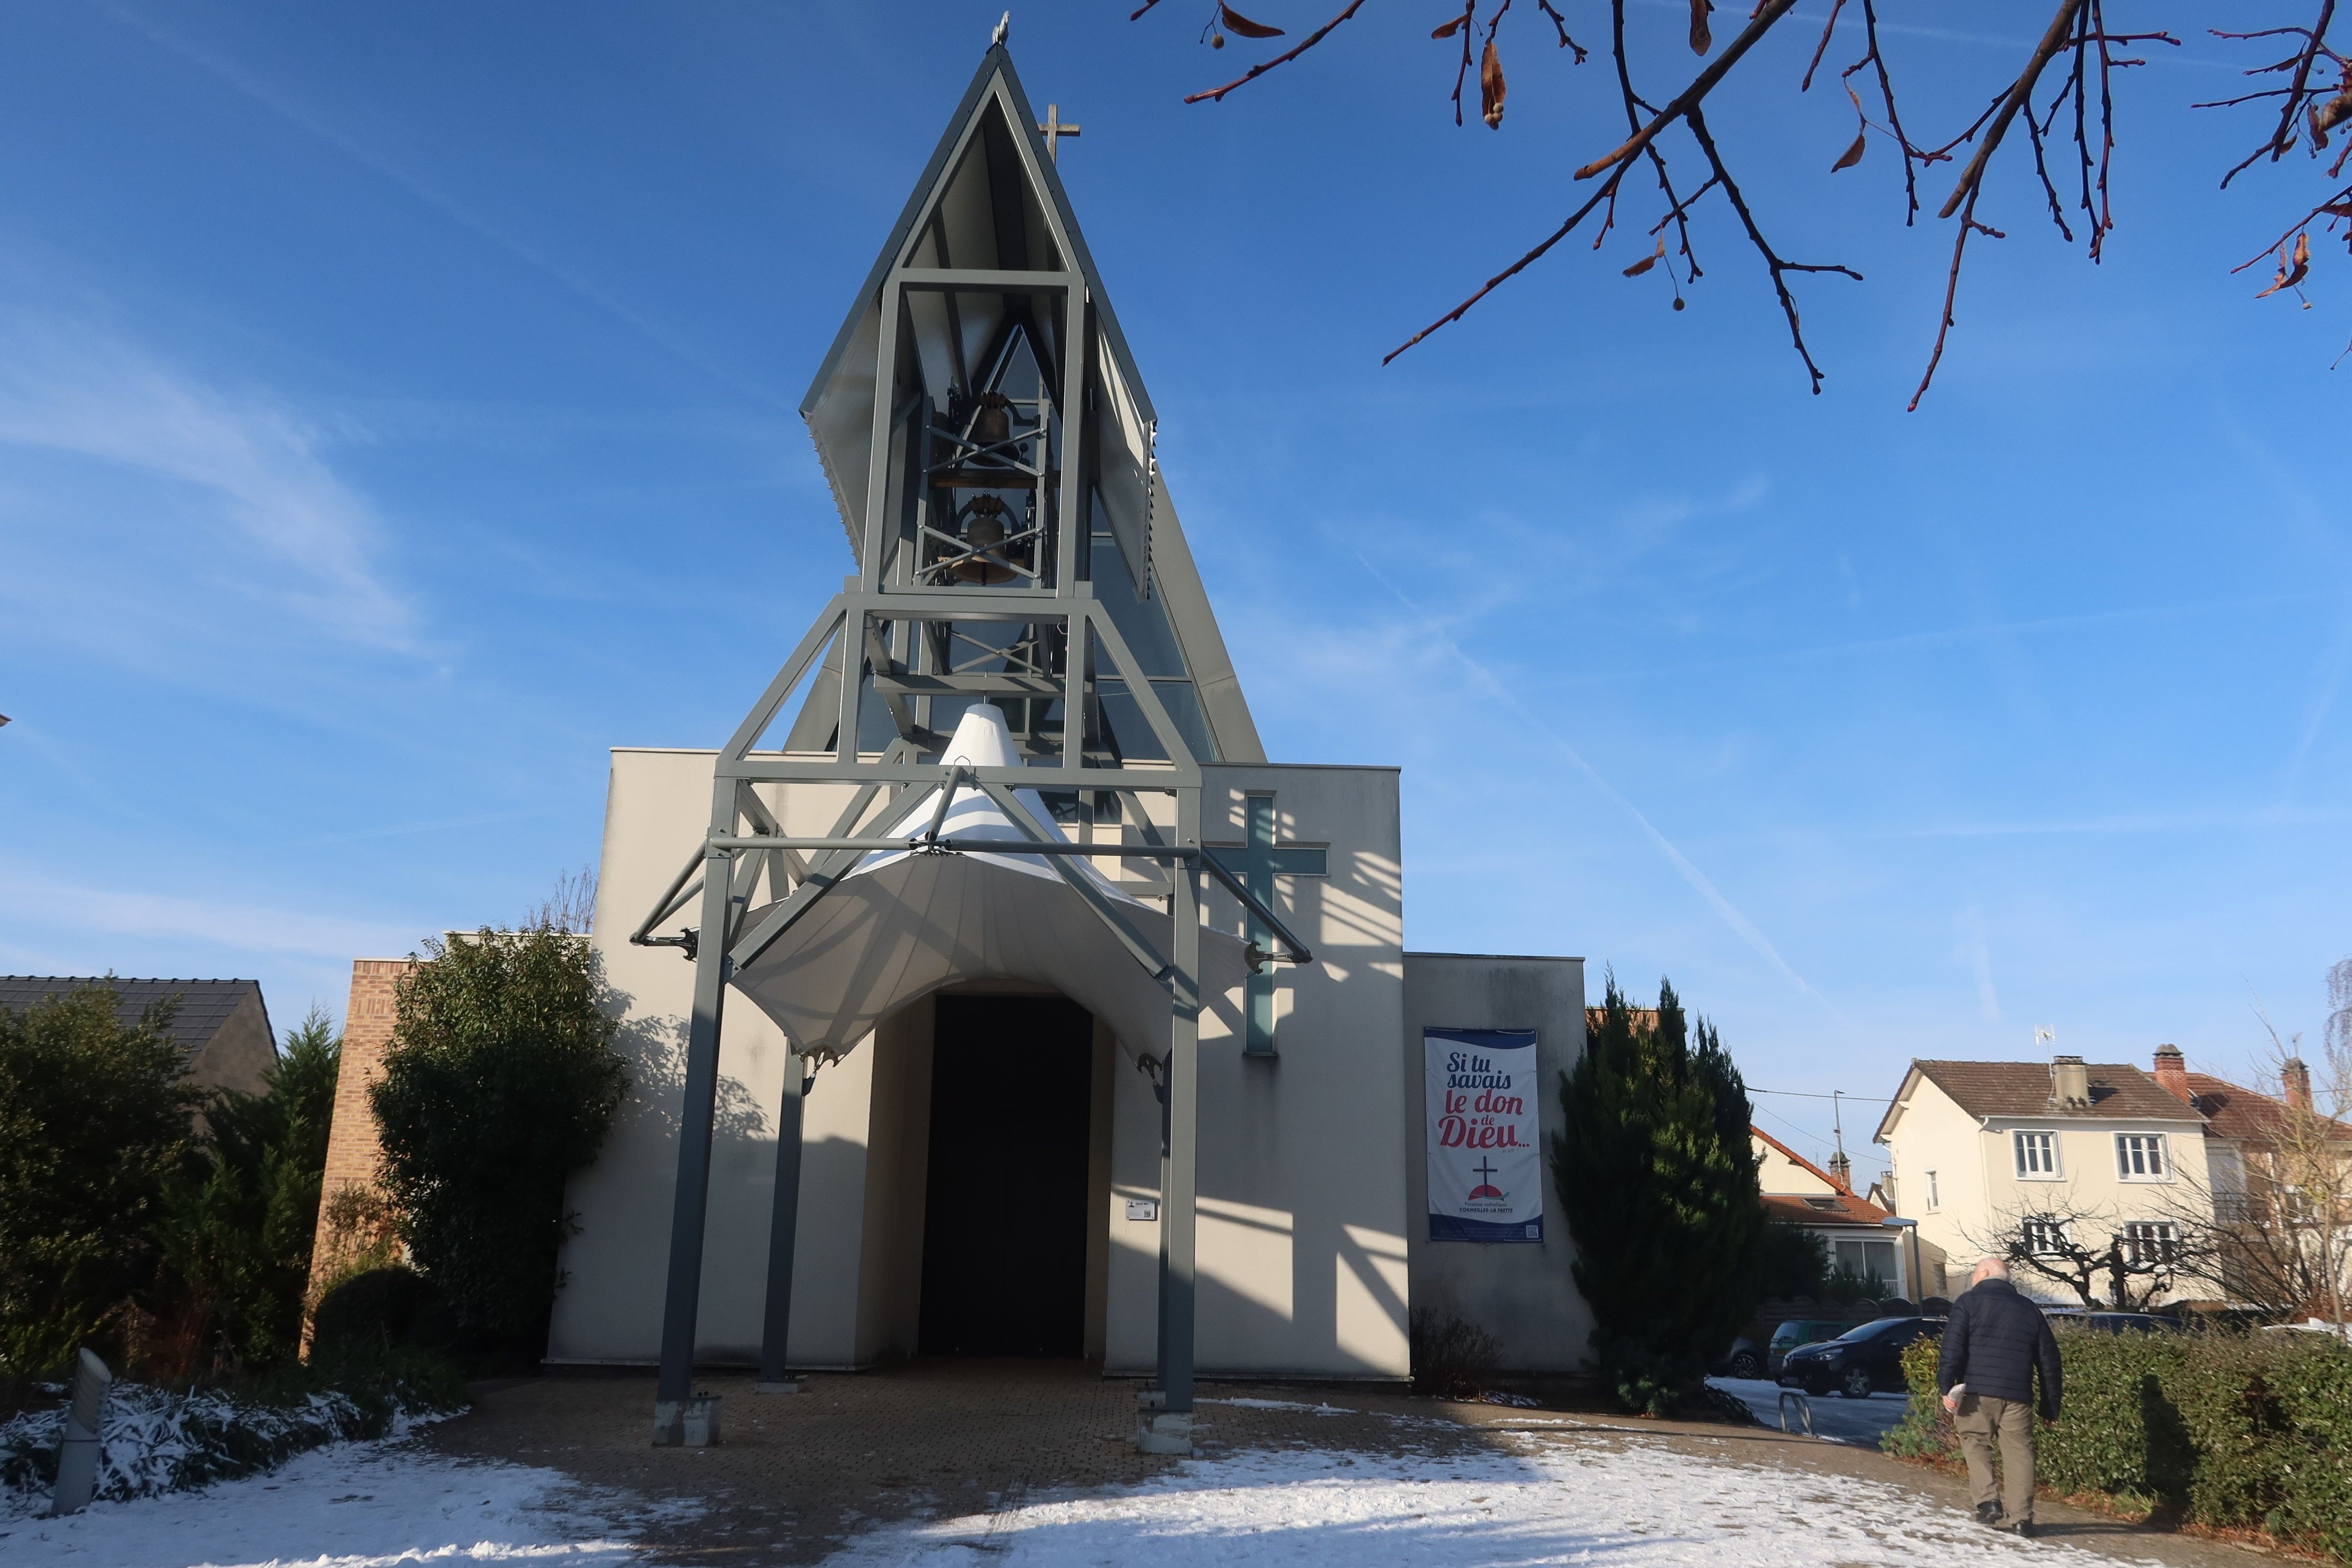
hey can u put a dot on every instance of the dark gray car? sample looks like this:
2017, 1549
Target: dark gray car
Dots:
1863, 1361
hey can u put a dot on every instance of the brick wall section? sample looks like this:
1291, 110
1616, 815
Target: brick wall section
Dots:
351, 1152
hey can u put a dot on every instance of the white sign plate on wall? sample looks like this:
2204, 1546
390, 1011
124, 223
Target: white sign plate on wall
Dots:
1486, 1159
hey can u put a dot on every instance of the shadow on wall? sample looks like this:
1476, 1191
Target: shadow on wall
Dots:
655, 1049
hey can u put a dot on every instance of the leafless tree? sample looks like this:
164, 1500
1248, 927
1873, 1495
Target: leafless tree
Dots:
2286, 1223
2297, 74
2109, 1264
571, 907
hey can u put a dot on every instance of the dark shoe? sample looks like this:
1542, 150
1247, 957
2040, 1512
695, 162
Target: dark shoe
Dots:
1988, 1514
2021, 1527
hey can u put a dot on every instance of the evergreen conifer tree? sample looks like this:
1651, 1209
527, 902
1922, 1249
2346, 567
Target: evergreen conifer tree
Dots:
1659, 1187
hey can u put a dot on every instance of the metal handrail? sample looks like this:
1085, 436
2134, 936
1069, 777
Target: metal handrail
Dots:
1804, 1410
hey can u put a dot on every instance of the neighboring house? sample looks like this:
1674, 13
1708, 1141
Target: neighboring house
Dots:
220, 1025
2264, 1153
1981, 1151
1797, 1192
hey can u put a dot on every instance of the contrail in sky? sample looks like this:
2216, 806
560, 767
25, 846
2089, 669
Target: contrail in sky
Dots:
1698, 880
262, 93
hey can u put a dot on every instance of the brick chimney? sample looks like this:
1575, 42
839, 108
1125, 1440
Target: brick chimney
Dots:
1841, 1172
2172, 1071
2296, 1079
2070, 1081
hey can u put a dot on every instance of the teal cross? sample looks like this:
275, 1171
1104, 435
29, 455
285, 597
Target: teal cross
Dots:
1258, 863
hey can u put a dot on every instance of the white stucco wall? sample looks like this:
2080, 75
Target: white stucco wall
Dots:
1302, 1247
1302, 1251
1522, 1293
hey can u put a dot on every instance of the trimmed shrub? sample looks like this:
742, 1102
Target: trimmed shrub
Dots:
2238, 1431
93, 1129
500, 1082
1452, 1357
381, 1310
1926, 1431
2312, 1393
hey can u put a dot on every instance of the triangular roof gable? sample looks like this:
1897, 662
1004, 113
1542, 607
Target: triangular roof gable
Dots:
994, 83
1163, 581
1796, 1159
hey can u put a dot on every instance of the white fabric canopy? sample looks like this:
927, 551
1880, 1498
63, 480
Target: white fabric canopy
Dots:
901, 926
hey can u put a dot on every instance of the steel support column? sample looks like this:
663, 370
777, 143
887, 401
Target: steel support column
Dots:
783, 1226
683, 1301
1177, 1221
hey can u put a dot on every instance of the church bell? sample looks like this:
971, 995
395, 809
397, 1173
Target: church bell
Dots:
994, 423
985, 530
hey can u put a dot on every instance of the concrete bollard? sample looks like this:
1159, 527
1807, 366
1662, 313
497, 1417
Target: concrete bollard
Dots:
689, 1423
78, 1460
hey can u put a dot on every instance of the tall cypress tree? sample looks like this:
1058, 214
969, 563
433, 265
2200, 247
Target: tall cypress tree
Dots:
1656, 1176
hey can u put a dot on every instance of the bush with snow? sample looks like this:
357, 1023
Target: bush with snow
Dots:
154, 1440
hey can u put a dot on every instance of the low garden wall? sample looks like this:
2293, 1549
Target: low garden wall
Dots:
2236, 1431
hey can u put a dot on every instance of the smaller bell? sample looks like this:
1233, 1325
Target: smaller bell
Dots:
994, 423
985, 531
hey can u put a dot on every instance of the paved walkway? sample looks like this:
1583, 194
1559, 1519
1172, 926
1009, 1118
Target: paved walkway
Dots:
797, 1476
1835, 1417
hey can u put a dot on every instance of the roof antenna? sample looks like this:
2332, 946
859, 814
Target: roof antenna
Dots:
1003, 31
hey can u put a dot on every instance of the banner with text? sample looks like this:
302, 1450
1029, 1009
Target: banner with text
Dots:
1486, 1162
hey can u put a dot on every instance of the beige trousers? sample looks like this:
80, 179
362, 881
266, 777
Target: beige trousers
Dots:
1983, 1423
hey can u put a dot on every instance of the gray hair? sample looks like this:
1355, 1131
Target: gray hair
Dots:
1991, 1267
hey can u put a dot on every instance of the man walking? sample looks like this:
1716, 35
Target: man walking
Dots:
1996, 1342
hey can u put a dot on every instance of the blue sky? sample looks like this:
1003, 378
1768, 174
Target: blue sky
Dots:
396, 411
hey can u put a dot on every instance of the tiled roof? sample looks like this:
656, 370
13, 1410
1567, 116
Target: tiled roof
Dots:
2118, 1090
2234, 1111
1843, 1208
204, 1005
1837, 1207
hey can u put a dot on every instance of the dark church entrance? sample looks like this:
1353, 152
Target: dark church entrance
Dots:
1004, 1223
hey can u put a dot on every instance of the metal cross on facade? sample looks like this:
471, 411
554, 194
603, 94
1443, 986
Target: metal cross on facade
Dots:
1258, 862
1053, 131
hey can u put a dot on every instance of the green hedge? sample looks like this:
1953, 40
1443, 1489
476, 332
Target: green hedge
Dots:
2249, 1431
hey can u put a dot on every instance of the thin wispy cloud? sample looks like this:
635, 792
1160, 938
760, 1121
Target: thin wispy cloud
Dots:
2331, 680
202, 922
1978, 952
298, 113
1546, 731
222, 477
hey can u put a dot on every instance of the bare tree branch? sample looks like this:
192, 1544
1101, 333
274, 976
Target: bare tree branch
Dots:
1778, 268
1217, 95
2076, 29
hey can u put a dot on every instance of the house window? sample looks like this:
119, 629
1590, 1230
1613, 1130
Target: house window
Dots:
1869, 1260
2151, 1241
2139, 1157
2037, 1156
1935, 1201
2046, 1237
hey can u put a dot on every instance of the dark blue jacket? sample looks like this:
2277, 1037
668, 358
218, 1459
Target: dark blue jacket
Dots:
1995, 1342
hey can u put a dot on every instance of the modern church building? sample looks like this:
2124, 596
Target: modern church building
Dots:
990, 991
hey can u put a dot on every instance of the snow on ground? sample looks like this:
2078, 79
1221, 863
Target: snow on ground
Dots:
1599, 1497
1835, 1417
1637, 1505
353, 1505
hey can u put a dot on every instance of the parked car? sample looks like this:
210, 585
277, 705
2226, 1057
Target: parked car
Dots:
1800, 1332
1746, 1359
1859, 1362
2311, 1326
